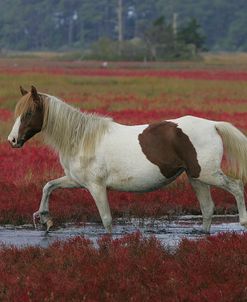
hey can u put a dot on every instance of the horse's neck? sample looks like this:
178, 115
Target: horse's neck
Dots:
57, 121
67, 129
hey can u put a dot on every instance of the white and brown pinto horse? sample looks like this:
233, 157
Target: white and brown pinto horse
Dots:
99, 154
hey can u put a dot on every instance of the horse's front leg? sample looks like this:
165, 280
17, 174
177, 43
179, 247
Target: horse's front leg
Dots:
99, 195
43, 212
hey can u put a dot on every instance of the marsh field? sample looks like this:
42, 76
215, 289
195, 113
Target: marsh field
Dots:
132, 268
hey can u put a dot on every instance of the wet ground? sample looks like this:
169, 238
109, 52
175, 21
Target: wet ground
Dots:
169, 232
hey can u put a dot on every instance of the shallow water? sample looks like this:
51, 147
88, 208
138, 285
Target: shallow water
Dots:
169, 232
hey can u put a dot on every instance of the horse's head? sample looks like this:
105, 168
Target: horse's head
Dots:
29, 114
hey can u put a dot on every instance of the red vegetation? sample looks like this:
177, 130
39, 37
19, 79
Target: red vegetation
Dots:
131, 116
5, 115
86, 72
128, 269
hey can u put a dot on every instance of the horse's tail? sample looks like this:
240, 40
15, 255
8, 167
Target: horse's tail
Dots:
235, 148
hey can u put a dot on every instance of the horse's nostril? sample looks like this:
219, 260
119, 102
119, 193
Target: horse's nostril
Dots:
13, 140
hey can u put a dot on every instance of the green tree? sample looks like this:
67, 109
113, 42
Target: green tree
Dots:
190, 34
160, 40
56, 24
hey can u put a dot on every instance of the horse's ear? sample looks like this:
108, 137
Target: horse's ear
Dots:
34, 93
23, 91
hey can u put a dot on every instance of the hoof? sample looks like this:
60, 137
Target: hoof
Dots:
36, 216
49, 224
244, 224
109, 230
42, 218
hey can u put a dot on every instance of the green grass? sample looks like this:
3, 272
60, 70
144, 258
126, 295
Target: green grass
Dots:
131, 92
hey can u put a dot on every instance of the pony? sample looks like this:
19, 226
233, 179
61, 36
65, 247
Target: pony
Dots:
99, 154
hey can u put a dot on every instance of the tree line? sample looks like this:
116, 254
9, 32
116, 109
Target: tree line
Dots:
71, 24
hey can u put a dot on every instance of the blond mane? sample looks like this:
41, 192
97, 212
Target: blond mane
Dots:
69, 130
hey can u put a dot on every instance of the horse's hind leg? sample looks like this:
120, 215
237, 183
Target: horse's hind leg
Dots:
235, 187
203, 194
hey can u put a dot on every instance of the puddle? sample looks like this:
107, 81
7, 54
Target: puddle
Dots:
169, 232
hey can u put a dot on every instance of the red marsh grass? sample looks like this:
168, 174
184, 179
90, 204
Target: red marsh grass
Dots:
132, 268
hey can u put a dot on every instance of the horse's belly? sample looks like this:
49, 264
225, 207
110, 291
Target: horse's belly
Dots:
136, 183
134, 187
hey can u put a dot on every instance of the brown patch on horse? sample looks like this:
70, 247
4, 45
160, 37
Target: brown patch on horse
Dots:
166, 146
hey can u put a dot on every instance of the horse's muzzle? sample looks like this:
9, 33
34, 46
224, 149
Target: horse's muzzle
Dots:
17, 144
